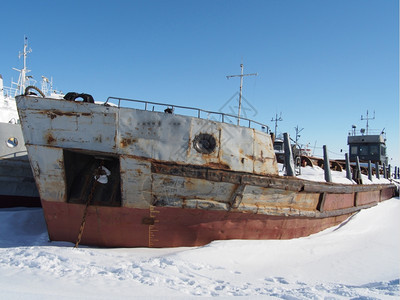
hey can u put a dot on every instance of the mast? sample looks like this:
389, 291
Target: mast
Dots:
22, 76
367, 118
276, 120
241, 86
297, 133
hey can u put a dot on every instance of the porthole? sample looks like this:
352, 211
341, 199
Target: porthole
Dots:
204, 143
12, 142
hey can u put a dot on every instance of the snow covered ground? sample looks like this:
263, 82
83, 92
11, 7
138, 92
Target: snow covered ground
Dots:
360, 259
316, 173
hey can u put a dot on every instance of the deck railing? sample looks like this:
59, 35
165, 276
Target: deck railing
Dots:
354, 132
198, 112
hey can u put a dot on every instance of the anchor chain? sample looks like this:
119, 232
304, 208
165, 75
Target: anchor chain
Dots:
97, 174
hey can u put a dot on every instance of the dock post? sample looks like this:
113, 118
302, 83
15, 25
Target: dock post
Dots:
384, 171
289, 162
327, 169
348, 169
369, 170
377, 170
389, 171
357, 173
395, 172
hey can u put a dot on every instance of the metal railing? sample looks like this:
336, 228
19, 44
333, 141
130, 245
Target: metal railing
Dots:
10, 92
354, 132
223, 116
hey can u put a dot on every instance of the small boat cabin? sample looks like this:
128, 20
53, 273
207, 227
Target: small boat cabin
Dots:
367, 147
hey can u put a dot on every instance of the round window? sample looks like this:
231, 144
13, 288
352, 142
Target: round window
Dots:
204, 143
12, 142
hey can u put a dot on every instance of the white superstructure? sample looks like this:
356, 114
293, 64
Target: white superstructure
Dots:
17, 186
8, 108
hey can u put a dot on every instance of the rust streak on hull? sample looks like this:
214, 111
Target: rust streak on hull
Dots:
338, 201
172, 227
167, 180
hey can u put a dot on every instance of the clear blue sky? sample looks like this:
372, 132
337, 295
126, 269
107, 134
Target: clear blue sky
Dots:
322, 64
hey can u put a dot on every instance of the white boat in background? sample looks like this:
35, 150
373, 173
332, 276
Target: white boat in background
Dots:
17, 186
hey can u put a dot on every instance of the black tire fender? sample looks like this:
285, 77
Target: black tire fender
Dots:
72, 96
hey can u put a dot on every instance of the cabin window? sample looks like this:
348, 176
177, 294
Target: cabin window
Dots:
374, 150
383, 151
354, 150
363, 150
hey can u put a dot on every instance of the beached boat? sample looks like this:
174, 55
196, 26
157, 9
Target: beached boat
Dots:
114, 176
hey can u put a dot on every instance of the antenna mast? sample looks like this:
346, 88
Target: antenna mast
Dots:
297, 132
241, 85
24, 70
367, 118
276, 121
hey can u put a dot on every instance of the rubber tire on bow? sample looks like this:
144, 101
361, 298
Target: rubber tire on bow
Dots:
71, 96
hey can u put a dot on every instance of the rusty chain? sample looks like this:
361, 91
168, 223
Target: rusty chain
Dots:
97, 174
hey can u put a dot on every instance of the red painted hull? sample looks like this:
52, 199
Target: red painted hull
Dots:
172, 227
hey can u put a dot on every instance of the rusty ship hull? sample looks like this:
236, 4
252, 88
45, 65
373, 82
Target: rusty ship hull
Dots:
141, 178
173, 227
